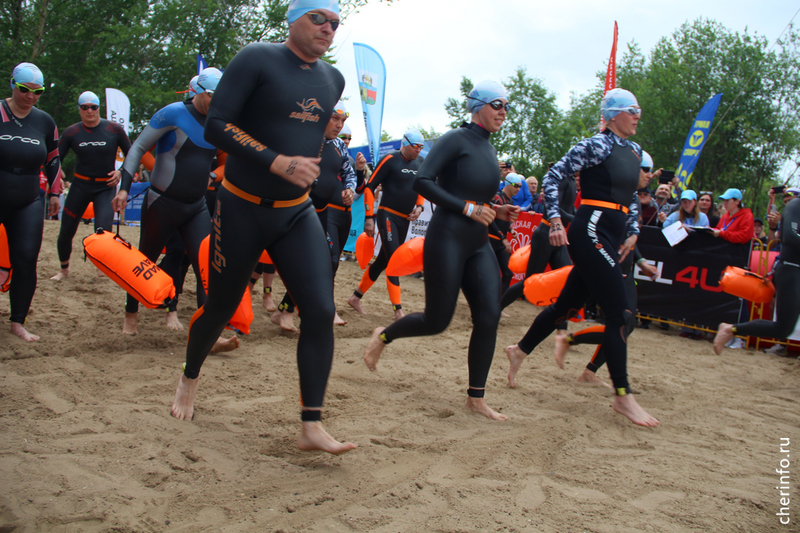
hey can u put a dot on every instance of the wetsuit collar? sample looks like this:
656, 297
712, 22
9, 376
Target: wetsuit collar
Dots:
474, 126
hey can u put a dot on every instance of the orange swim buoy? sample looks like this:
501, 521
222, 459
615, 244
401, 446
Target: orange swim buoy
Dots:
130, 269
518, 263
5, 258
89, 213
544, 289
243, 316
265, 258
365, 250
745, 284
407, 259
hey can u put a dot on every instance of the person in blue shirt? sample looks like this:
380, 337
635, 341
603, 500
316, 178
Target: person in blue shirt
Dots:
689, 213
523, 198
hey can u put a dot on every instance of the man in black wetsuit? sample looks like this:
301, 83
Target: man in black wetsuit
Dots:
175, 200
270, 114
400, 205
95, 142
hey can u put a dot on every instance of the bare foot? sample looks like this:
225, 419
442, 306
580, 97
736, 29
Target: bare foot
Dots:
172, 321
268, 302
18, 330
225, 345
314, 437
129, 325
3, 276
590, 378
183, 404
398, 314
515, 357
284, 319
373, 352
62, 274
355, 303
724, 334
629, 407
338, 321
503, 314
562, 347
478, 405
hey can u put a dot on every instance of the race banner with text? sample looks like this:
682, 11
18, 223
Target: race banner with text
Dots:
371, 72
687, 287
698, 134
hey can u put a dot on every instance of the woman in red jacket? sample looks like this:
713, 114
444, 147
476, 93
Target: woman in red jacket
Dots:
737, 224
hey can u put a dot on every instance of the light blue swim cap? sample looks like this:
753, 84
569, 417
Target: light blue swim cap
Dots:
27, 73
412, 137
193, 86
208, 80
647, 161
615, 101
298, 8
483, 93
514, 179
346, 130
88, 97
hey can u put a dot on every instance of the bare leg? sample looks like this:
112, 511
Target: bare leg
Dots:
629, 407
398, 314
172, 321
724, 334
478, 405
129, 325
183, 404
373, 352
62, 274
562, 347
3, 276
20, 331
503, 314
314, 437
355, 303
338, 321
225, 345
266, 298
284, 319
590, 378
515, 357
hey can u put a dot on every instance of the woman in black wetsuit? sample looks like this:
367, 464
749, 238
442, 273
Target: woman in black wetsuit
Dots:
609, 166
28, 141
787, 288
460, 176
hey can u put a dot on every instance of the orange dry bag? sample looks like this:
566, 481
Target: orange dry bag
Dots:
5, 259
365, 249
744, 284
130, 269
407, 259
518, 263
89, 213
243, 316
544, 289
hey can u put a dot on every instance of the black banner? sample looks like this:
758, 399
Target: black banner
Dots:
687, 288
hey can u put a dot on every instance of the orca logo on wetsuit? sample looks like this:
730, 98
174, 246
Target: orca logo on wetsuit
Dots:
26, 140
93, 143
408, 171
308, 105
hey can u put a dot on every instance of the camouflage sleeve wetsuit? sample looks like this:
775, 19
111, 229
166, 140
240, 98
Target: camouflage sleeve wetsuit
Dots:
270, 102
26, 144
96, 151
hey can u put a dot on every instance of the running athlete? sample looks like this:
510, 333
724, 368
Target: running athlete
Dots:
334, 166
400, 205
95, 142
609, 166
460, 175
175, 200
270, 115
28, 141
499, 229
787, 288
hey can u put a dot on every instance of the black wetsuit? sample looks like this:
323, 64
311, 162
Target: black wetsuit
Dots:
542, 252
176, 199
786, 280
609, 167
339, 217
270, 102
457, 255
96, 150
498, 230
398, 200
26, 144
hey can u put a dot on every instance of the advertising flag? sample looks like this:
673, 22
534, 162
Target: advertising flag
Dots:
696, 139
611, 72
371, 72
118, 109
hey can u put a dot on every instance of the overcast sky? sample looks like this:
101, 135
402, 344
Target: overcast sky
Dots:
428, 45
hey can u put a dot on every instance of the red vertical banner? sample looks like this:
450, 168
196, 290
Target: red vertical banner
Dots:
611, 73
524, 226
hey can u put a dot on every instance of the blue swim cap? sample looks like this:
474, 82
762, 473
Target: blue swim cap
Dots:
412, 137
615, 101
688, 195
647, 161
193, 86
483, 93
514, 179
298, 8
88, 97
27, 73
208, 80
